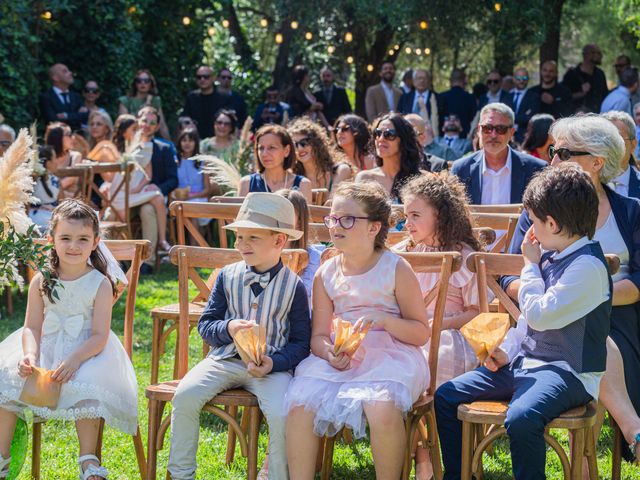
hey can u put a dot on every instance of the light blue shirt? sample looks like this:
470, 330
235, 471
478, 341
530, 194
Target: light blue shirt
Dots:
619, 100
190, 176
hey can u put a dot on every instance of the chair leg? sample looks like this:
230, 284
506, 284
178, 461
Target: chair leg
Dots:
36, 450
467, 450
591, 454
434, 445
231, 435
327, 460
577, 453
156, 348
254, 433
616, 454
155, 417
140, 458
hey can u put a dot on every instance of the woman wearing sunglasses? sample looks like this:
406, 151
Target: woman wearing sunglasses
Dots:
275, 156
595, 144
397, 154
352, 136
143, 92
317, 159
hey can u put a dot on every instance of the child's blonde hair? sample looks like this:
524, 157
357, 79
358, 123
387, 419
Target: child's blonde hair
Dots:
73, 209
375, 202
302, 216
447, 195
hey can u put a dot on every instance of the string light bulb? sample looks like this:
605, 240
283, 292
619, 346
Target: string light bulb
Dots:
391, 52
418, 51
279, 38
295, 25
225, 23
331, 49
186, 20
308, 35
424, 24
349, 59
369, 68
396, 47
46, 15
132, 9
498, 7
348, 37
264, 22
407, 50
427, 51
211, 31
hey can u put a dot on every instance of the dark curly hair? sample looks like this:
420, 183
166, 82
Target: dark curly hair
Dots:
361, 136
447, 195
410, 151
324, 154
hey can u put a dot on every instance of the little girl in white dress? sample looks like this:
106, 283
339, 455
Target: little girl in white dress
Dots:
67, 331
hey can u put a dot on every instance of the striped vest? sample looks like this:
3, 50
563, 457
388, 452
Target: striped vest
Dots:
270, 308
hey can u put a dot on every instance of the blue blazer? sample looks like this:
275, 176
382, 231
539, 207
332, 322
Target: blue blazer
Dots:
634, 183
469, 170
529, 106
164, 167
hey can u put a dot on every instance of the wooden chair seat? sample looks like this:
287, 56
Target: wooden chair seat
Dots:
172, 311
495, 412
237, 397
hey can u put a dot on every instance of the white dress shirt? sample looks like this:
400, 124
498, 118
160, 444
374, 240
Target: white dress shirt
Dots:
496, 185
583, 286
621, 183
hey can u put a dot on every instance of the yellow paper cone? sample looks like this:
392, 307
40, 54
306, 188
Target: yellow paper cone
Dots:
485, 332
40, 390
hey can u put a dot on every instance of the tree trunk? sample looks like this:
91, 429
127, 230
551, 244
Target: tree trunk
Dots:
551, 45
281, 77
241, 45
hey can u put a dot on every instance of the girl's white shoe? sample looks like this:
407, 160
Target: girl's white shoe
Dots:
4, 466
92, 470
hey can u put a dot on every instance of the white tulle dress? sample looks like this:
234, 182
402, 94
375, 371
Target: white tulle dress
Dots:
382, 369
104, 386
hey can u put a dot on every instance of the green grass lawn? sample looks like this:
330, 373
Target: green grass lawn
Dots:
59, 451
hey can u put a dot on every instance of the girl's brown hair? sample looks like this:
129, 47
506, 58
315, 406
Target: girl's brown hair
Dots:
323, 152
375, 202
447, 195
302, 216
285, 139
72, 209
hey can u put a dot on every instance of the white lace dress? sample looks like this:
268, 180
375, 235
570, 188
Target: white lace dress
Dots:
104, 386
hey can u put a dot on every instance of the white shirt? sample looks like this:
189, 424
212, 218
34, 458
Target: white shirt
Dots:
59, 94
582, 286
621, 183
496, 185
388, 92
611, 241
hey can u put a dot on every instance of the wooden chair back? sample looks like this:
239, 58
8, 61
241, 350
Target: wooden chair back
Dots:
515, 208
135, 252
498, 221
445, 263
80, 189
188, 259
125, 169
319, 196
186, 212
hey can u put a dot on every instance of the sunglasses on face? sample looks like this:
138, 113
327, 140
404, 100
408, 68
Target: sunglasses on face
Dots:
521, 78
564, 154
304, 143
389, 134
343, 128
91, 90
346, 221
499, 129
492, 81
143, 80
203, 77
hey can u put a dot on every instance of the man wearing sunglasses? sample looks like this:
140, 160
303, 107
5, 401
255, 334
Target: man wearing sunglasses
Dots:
496, 174
525, 102
495, 94
230, 99
202, 104
59, 103
7, 137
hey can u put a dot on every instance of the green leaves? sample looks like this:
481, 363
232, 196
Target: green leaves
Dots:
17, 248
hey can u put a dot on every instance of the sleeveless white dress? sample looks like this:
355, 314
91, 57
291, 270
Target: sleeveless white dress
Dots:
104, 386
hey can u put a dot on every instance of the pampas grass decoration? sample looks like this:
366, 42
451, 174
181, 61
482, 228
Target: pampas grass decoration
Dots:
223, 173
16, 183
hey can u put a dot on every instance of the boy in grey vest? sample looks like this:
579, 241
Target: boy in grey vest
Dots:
554, 359
257, 290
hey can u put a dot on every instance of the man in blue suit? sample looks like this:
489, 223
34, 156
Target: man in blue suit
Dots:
525, 102
421, 100
457, 101
496, 174
495, 93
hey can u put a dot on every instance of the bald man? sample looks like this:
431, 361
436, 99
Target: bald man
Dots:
203, 103
555, 98
59, 103
586, 81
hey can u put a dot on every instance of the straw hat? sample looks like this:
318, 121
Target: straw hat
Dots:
267, 211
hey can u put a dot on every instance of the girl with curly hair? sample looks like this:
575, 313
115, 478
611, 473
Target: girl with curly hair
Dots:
438, 220
318, 160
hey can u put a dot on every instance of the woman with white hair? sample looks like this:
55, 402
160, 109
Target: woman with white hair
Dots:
594, 143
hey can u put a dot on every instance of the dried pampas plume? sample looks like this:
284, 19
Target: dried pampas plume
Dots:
223, 173
16, 183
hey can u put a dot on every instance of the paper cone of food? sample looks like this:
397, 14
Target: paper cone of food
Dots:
40, 390
485, 332
346, 339
251, 343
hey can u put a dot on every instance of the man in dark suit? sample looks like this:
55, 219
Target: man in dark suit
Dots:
421, 100
164, 177
525, 102
452, 137
59, 104
496, 174
457, 101
495, 93
333, 98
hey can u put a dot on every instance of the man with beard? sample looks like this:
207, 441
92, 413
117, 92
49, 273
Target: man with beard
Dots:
586, 81
452, 137
555, 98
383, 97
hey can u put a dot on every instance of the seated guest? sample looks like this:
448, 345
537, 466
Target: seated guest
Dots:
224, 129
100, 134
619, 99
125, 130
271, 111
46, 190
537, 139
58, 135
496, 174
59, 104
7, 137
352, 137
628, 182
525, 103
318, 161
143, 92
429, 162
554, 359
275, 156
452, 137
333, 98
398, 155
185, 122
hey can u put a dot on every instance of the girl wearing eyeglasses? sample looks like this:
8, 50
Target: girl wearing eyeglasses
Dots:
275, 157
397, 154
317, 159
378, 293
143, 92
352, 136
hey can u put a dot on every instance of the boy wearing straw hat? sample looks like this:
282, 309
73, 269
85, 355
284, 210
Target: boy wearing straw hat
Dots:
259, 290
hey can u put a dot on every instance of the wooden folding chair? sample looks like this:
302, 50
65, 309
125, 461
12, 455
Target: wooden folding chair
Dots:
515, 208
506, 222
134, 251
319, 196
477, 416
188, 260
446, 263
80, 190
